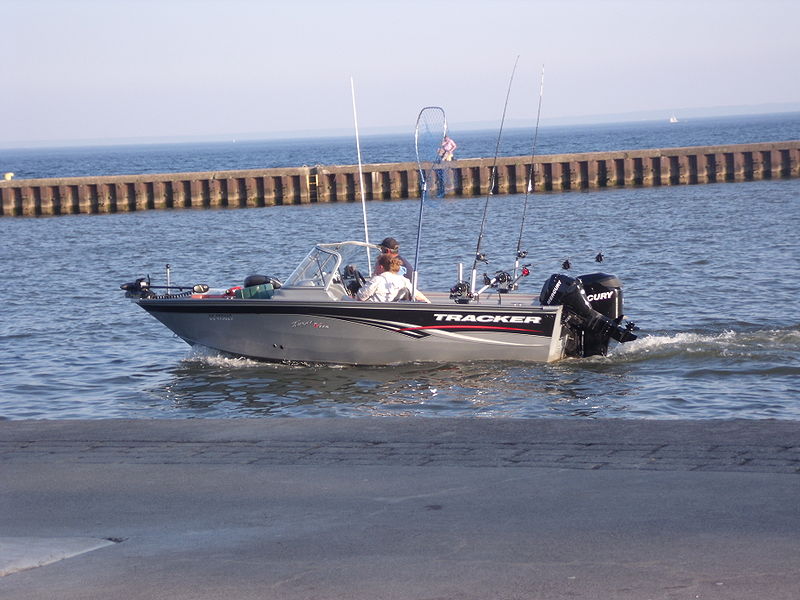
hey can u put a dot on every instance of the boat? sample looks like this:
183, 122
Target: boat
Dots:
314, 316
673, 119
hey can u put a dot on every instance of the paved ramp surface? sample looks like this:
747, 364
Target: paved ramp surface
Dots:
402, 509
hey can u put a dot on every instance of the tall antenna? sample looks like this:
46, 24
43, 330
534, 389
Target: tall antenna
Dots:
361, 177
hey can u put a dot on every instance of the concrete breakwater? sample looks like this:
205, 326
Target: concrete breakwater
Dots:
469, 177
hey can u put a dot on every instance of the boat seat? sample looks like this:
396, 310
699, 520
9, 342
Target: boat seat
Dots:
402, 295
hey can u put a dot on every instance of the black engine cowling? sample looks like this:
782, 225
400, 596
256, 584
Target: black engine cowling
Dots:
592, 311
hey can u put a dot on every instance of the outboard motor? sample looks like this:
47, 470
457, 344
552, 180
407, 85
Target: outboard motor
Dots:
592, 311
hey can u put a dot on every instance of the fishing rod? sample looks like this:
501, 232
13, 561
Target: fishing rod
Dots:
529, 189
479, 257
503, 281
361, 177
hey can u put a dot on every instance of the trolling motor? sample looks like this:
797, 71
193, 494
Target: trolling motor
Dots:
592, 311
138, 289
142, 289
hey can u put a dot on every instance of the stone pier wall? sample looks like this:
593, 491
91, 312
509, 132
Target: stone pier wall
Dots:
471, 177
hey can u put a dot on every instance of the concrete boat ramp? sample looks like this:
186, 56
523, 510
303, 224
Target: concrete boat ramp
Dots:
396, 509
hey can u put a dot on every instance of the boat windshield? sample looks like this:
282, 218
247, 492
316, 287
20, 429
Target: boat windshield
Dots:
328, 263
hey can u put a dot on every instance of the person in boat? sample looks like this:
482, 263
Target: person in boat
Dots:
447, 149
389, 286
392, 248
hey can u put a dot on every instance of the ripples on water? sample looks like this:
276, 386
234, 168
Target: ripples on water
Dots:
710, 274
684, 375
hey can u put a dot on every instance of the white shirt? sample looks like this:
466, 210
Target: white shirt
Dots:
384, 287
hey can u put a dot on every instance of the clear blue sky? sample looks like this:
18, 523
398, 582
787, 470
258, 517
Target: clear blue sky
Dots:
117, 69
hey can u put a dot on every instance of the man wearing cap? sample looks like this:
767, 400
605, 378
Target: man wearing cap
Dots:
391, 247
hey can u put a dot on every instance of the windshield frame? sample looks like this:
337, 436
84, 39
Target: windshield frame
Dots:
322, 266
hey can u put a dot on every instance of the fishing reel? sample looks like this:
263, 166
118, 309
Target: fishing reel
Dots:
502, 282
461, 293
481, 257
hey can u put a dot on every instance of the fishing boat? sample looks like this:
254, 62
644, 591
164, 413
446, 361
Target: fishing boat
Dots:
316, 316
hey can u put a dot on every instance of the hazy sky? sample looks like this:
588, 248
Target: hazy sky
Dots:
115, 69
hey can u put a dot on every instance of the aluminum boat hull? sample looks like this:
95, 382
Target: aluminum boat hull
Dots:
364, 333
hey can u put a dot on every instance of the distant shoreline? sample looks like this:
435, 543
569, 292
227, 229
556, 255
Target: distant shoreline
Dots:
585, 121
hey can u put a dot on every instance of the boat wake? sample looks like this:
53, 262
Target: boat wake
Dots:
209, 357
200, 355
727, 344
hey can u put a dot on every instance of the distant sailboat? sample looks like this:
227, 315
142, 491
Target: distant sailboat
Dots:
673, 119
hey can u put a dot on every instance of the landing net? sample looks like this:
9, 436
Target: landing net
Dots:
430, 134
434, 156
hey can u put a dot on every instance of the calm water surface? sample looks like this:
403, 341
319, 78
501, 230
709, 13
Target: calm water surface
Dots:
172, 158
710, 274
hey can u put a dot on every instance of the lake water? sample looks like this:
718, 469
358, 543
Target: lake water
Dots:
176, 158
710, 275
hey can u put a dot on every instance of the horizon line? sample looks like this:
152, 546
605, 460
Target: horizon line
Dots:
298, 134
